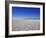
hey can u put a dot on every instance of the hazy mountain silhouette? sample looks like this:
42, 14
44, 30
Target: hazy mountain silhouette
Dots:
32, 18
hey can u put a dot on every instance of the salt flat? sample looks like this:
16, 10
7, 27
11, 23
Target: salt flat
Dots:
25, 25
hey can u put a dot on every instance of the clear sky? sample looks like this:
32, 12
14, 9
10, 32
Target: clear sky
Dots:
25, 13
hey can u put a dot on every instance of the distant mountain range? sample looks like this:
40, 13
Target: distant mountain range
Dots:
32, 18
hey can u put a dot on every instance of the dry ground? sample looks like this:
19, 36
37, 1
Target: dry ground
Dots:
24, 25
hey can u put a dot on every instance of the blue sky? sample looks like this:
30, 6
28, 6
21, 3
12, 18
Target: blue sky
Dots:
25, 13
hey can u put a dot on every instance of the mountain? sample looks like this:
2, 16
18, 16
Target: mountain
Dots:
32, 18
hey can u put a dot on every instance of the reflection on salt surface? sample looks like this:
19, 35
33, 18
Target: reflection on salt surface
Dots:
25, 25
